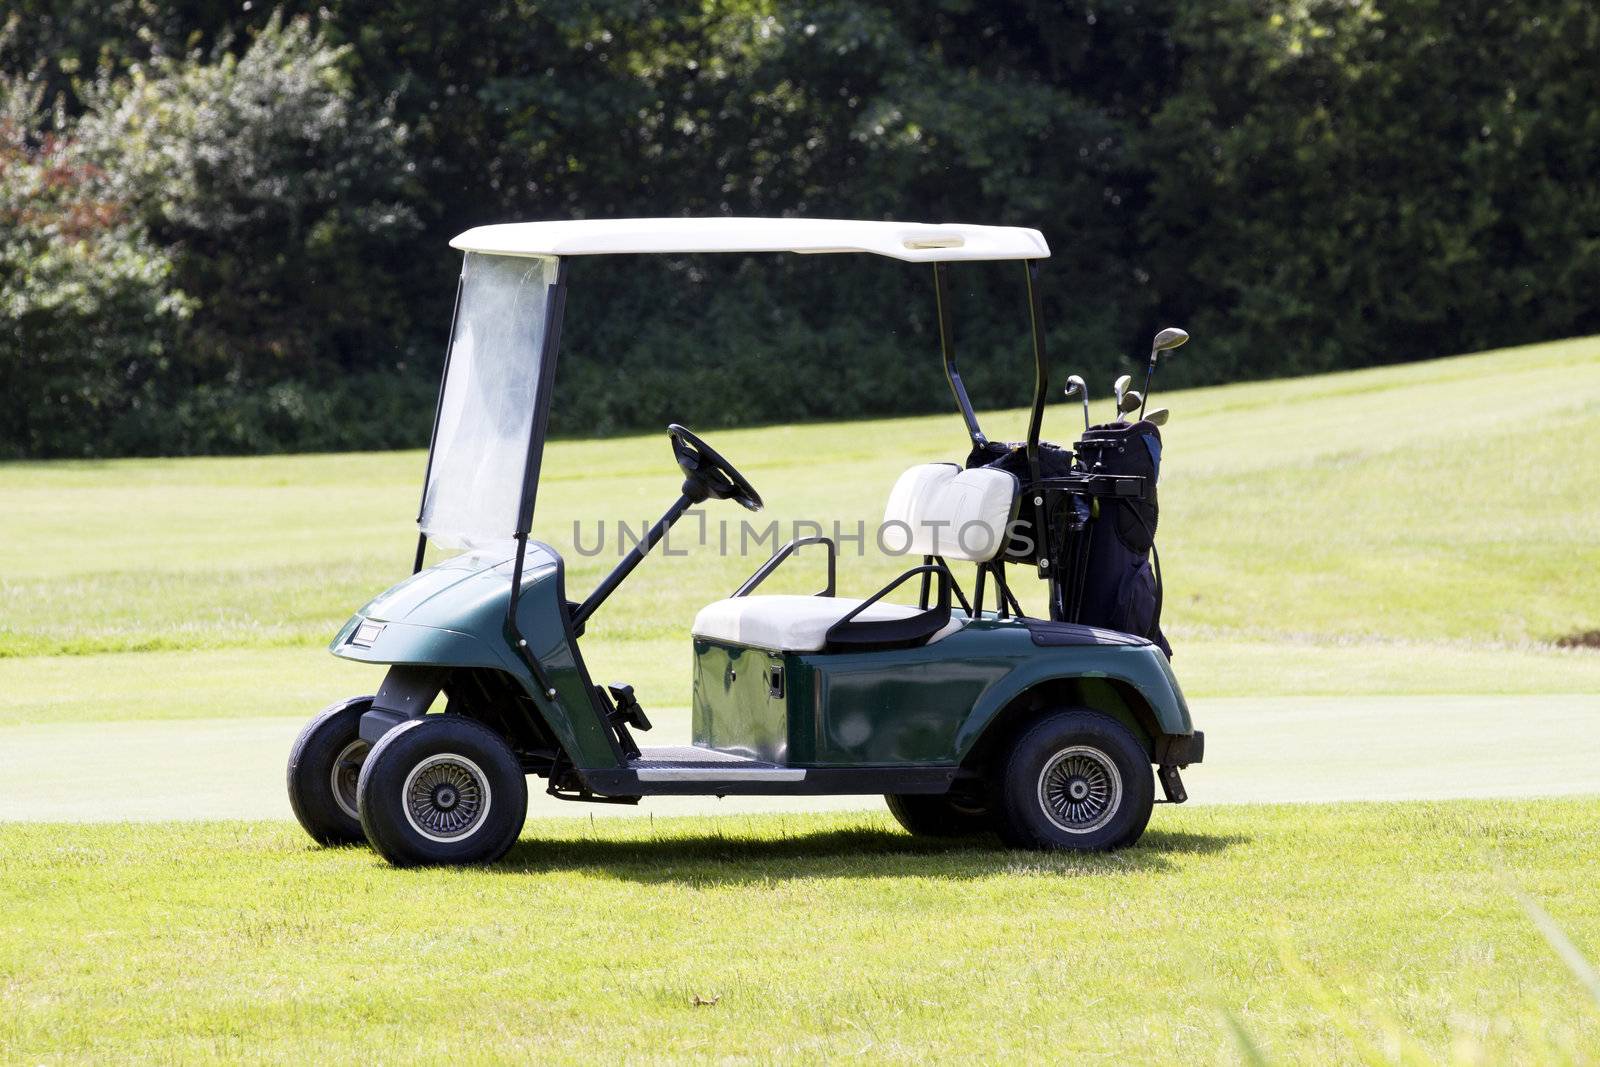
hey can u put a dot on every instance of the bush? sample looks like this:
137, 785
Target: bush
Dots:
1339, 184
202, 261
284, 200
91, 318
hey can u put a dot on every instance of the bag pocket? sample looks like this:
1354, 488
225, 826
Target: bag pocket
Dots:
1136, 600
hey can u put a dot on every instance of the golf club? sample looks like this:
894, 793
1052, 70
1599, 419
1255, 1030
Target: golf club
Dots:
1130, 400
1158, 417
1169, 338
1119, 387
1077, 388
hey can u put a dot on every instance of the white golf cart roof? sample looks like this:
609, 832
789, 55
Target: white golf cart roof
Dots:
915, 242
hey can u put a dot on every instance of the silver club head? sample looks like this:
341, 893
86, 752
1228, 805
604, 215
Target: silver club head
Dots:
1169, 338
1132, 400
1120, 386
1158, 417
1077, 387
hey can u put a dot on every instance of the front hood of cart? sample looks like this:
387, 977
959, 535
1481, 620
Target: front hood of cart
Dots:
464, 597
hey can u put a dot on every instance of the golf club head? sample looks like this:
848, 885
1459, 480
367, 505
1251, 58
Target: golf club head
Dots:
1158, 417
1077, 387
1167, 339
1119, 387
1132, 400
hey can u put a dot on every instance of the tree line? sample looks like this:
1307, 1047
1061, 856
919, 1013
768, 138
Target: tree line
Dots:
222, 228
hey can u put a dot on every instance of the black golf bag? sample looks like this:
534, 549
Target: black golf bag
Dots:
1102, 544
1112, 582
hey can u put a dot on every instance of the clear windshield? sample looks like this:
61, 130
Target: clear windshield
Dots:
480, 448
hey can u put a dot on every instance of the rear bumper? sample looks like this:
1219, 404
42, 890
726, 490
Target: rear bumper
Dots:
1180, 750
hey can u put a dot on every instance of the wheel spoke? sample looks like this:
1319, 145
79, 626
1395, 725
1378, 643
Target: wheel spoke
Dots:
1080, 789
446, 797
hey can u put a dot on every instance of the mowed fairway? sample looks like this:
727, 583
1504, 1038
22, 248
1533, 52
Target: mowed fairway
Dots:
814, 939
1356, 564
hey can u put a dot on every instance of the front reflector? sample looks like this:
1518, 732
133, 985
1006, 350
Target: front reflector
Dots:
366, 633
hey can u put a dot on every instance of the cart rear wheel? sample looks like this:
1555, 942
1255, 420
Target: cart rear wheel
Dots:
324, 765
1076, 780
442, 789
941, 815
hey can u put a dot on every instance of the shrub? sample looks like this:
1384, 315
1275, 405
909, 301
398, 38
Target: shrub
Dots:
1342, 183
282, 197
90, 315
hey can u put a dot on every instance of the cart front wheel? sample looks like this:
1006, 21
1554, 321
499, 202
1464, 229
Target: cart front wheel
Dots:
941, 815
1075, 780
324, 765
442, 789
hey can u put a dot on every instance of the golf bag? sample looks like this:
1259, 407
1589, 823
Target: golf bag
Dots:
1113, 583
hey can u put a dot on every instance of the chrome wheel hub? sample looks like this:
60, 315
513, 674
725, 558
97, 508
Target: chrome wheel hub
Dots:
346, 772
1080, 789
446, 797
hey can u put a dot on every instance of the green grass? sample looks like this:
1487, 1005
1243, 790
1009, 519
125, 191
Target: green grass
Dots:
1408, 531
254, 682
814, 938
1429, 523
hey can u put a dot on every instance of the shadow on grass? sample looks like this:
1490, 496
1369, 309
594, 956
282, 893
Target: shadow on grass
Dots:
848, 853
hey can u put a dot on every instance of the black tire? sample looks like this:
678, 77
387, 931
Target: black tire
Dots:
941, 814
1076, 779
324, 763
442, 789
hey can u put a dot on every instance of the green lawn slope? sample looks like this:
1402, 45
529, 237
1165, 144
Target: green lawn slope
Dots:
1427, 528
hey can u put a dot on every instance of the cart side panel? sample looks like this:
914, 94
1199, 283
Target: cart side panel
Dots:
895, 707
573, 713
740, 703
933, 704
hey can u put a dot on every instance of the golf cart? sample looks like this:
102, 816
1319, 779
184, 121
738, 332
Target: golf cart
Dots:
966, 713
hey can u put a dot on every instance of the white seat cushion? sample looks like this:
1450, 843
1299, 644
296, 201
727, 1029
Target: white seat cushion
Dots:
785, 623
938, 509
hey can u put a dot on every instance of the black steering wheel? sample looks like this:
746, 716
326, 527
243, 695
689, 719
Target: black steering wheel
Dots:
706, 475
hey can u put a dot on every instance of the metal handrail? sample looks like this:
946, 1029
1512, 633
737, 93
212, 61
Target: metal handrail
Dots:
784, 553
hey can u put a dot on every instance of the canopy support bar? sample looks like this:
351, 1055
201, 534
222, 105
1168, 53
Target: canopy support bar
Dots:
1041, 371
554, 308
941, 294
1041, 388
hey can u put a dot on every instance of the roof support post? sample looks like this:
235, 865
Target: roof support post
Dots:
1041, 371
554, 308
941, 294
1041, 387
